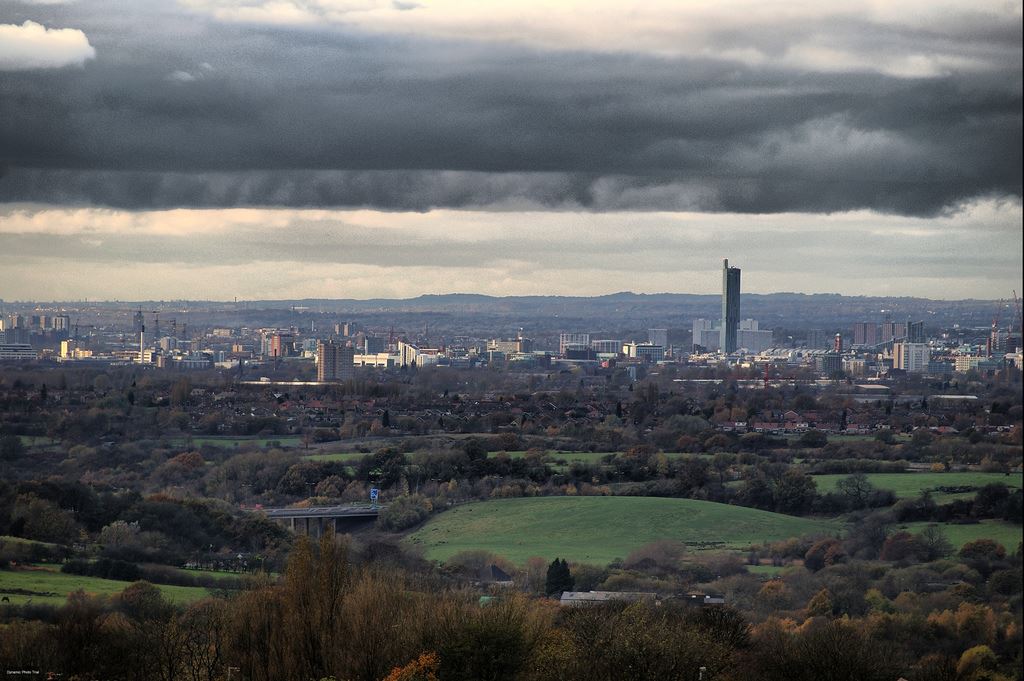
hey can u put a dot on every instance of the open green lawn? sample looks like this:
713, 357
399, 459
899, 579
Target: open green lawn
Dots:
51, 587
600, 529
906, 485
238, 442
20, 541
555, 456
337, 456
1007, 534
859, 437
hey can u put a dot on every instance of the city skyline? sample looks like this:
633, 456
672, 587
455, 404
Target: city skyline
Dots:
339, 149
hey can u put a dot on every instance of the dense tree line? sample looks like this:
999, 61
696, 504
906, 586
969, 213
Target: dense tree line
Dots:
332, 616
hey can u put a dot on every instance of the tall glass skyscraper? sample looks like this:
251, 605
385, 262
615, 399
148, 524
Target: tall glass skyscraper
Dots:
730, 306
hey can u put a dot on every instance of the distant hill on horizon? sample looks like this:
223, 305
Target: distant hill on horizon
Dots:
438, 300
632, 310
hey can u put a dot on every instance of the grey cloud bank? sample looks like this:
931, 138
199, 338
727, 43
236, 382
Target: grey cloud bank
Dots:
179, 109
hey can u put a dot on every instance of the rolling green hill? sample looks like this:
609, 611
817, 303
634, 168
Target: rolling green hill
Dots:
600, 529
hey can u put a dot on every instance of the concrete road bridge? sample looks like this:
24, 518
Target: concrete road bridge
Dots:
315, 520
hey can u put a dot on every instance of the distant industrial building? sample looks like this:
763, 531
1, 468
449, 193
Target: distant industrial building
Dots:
965, 363
519, 344
706, 334
16, 351
583, 598
750, 337
576, 341
644, 351
607, 346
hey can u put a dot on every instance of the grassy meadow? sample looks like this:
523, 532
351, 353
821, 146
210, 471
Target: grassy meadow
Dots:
49, 586
1007, 534
909, 485
601, 529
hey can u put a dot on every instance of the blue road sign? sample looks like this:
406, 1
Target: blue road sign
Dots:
374, 493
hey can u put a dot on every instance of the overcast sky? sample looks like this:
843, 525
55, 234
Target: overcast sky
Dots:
372, 148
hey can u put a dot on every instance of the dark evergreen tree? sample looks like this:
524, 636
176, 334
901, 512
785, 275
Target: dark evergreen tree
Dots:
559, 578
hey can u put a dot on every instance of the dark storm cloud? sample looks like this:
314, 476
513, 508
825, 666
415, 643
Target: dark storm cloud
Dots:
178, 110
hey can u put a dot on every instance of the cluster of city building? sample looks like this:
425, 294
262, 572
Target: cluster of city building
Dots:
869, 348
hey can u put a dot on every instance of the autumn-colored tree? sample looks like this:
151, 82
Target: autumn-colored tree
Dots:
382, 620
838, 650
423, 668
901, 546
822, 553
820, 604
984, 549
489, 643
775, 595
977, 664
635, 641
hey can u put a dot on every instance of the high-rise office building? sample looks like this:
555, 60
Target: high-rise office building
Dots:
334, 361
281, 345
730, 307
893, 331
865, 333
911, 357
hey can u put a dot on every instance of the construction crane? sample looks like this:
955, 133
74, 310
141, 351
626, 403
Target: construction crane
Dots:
1016, 305
993, 336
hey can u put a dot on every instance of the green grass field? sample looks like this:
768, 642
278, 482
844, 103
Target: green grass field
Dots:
238, 442
51, 587
20, 541
1007, 534
600, 529
553, 456
906, 485
337, 456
